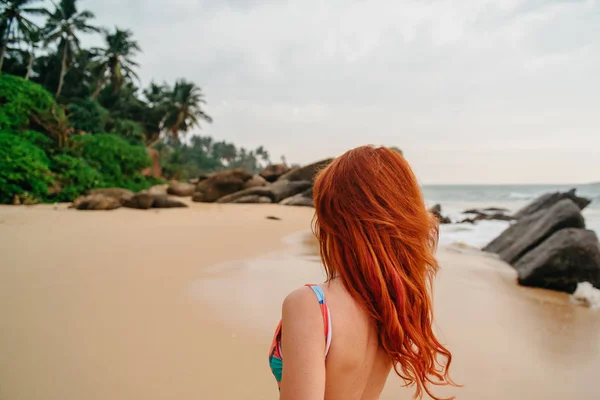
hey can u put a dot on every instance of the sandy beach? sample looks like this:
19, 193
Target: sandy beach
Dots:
182, 303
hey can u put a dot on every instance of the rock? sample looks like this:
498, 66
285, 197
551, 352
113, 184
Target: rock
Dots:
276, 191
181, 189
497, 209
142, 201
437, 211
194, 181
198, 197
96, 201
304, 199
549, 199
306, 173
484, 215
274, 171
164, 201
531, 230
253, 198
158, 189
255, 181
221, 184
566, 258
475, 211
117, 193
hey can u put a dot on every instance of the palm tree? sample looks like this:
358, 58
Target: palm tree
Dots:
185, 108
116, 63
14, 23
62, 27
33, 37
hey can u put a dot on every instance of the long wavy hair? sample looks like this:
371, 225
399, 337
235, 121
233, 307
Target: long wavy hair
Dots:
377, 237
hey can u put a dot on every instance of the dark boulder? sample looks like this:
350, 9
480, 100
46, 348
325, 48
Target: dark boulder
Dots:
164, 201
276, 191
252, 199
549, 199
181, 189
531, 230
304, 199
96, 202
437, 211
117, 193
273, 172
255, 181
221, 184
306, 173
145, 200
566, 258
142, 201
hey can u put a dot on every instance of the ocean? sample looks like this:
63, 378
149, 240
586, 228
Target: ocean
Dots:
457, 198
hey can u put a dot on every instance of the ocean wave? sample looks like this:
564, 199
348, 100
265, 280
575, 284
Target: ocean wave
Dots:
521, 196
586, 294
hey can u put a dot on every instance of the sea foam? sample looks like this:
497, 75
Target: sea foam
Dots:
586, 294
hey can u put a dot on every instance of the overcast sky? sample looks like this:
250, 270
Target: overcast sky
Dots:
473, 91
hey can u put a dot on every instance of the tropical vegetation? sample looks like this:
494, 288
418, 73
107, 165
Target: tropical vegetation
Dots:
74, 118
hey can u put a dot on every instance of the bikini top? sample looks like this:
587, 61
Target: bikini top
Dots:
275, 354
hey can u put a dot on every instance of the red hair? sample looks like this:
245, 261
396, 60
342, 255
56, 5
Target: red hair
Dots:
379, 239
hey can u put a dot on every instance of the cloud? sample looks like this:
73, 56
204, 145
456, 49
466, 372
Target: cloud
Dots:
311, 78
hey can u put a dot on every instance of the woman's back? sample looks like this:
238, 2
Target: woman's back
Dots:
356, 366
377, 243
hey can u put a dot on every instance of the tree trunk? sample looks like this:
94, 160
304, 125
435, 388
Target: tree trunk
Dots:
29, 66
2, 52
63, 70
99, 88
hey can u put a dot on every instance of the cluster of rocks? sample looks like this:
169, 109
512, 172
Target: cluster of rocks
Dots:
113, 198
548, 244
275, 184
474, 215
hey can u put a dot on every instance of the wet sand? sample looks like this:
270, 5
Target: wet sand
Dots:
181, 304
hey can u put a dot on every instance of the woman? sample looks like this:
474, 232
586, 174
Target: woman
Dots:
377, 240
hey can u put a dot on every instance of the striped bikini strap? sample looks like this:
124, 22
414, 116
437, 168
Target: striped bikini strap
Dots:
325, 312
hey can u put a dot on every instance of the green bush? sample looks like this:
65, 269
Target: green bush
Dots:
75, 176
117, 160
19, 100
38, 139
87, 116
128, 129
24, 169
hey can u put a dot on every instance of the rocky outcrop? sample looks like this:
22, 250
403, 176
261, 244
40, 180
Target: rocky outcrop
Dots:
141, 201
531, 230
548, 200
158, 189
276, 191
164, 201
145, 200
568, 257
96, 201
437, 211
306, 173
273, 172
255, 181
122, 195
252, 199
304, 199
181, 189
221, 184
486, 214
